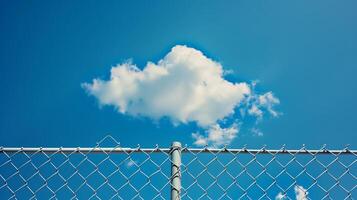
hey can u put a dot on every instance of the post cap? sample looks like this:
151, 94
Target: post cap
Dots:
176, 144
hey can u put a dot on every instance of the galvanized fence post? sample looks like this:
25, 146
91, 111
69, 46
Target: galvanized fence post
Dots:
175, 170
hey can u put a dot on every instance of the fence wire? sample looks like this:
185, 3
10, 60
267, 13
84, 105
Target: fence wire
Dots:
145, 173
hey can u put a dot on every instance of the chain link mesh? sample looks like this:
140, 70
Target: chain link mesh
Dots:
141, 173
268, 174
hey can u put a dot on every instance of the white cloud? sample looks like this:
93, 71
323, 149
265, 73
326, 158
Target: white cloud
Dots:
300, 192
262, 102
280, 196
255, 111
216, 135
268, 100
185, 86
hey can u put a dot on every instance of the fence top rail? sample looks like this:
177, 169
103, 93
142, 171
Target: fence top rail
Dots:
107, 150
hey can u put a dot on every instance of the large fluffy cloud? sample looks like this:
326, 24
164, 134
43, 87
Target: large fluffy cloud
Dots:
184, 86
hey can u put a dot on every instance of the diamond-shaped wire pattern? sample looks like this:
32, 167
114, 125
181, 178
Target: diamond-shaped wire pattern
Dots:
268, 174
85, 173
141, 173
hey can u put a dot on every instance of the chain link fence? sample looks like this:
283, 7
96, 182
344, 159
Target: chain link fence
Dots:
176, 173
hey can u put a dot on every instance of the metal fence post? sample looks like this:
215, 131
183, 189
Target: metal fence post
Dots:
175, 170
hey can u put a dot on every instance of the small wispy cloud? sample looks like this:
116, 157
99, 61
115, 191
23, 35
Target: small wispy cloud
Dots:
300, 194
184, 86
216, 135
257, 104
280, 196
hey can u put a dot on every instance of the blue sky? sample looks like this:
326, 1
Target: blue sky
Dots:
304, 52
